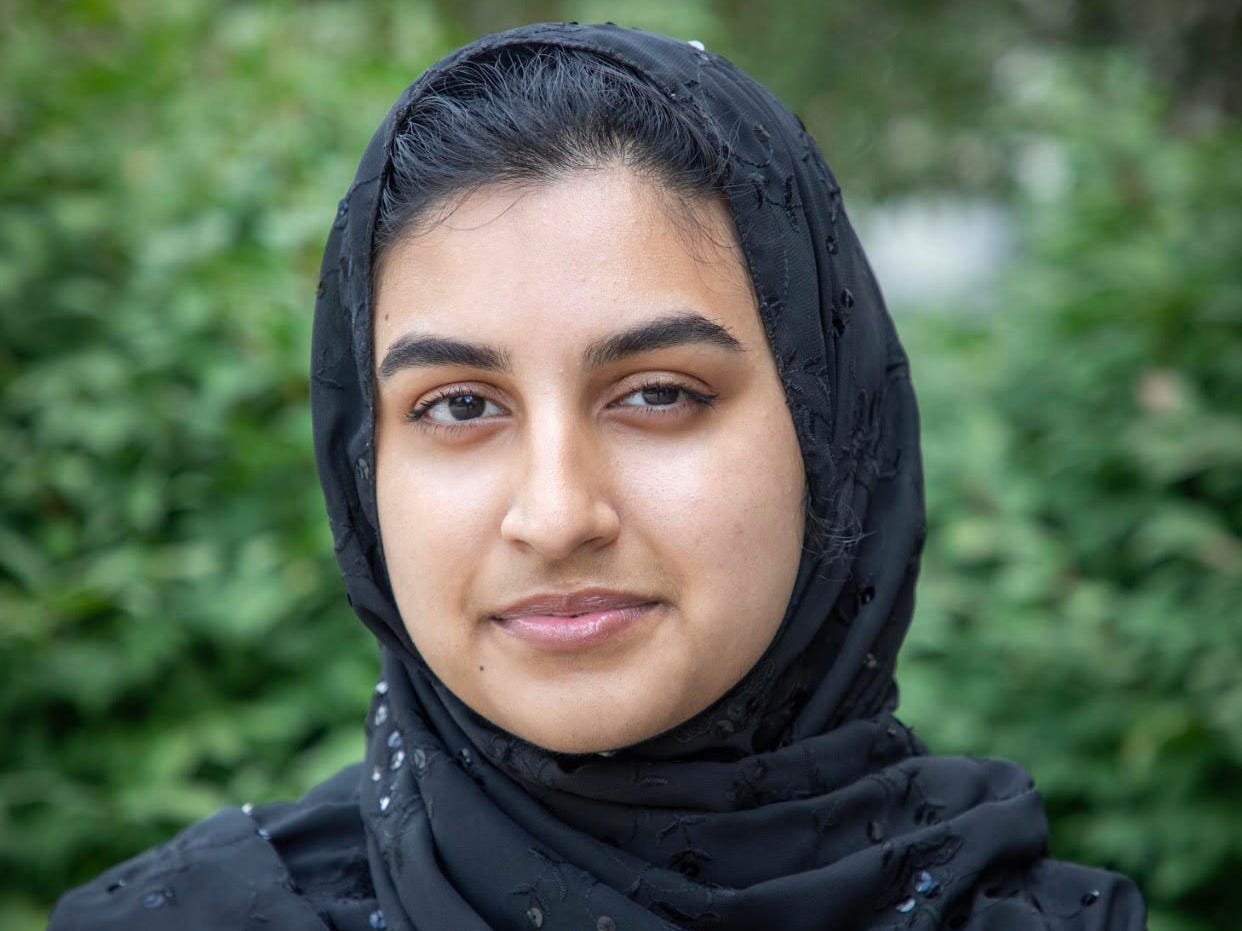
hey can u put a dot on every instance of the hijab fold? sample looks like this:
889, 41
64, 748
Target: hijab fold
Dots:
796, 801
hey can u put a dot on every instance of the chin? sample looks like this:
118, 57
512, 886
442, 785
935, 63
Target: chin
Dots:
583, 731
576, 737
584, 747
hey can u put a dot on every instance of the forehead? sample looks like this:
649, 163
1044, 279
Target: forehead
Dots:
566, 259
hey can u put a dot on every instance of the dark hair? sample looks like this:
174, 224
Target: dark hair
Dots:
531, 114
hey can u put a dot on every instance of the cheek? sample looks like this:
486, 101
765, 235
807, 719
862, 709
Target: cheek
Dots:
436, 521
727, 513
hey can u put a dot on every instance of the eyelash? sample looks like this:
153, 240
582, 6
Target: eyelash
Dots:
697, 397
417, 414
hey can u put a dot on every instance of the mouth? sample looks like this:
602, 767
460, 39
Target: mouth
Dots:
574, 620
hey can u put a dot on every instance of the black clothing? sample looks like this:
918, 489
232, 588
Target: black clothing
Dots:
299, 866
796, 801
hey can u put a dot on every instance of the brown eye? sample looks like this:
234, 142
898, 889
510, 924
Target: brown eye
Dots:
465, 406
457, 408
661, 395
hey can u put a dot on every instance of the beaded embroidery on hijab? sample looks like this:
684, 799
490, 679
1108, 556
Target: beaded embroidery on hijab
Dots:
797, 794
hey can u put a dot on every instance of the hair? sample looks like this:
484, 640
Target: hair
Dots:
532, 114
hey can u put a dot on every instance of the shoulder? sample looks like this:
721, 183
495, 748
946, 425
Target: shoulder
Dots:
219, 873
1052, 894
287, 866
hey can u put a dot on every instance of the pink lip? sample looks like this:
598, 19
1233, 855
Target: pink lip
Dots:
575, 620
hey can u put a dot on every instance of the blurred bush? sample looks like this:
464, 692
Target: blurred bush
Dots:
173, 629
173, 632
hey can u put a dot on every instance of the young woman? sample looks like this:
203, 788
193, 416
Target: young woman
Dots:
621, 458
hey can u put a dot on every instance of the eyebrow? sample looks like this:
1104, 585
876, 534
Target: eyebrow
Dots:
411, 351
672, 330
677, 329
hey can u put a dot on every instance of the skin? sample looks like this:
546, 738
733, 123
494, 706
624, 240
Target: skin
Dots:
567, 473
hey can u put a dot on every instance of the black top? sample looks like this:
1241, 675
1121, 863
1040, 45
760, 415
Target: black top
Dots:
796, 801
296, 865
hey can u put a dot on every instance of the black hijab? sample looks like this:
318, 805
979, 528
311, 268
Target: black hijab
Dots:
796, 801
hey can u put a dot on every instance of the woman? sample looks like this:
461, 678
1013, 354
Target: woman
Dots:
621, 459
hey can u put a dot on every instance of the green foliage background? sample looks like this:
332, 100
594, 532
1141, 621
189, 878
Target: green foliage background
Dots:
173, 632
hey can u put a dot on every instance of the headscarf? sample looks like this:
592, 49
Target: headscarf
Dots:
796, 800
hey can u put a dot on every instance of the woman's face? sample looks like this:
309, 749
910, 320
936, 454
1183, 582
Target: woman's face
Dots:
589, 486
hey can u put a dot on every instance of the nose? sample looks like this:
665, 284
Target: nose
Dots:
560, 500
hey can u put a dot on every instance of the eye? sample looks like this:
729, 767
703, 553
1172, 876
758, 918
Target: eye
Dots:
654, 396
663, 394
456, 407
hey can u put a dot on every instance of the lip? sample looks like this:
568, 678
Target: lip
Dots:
574, 620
